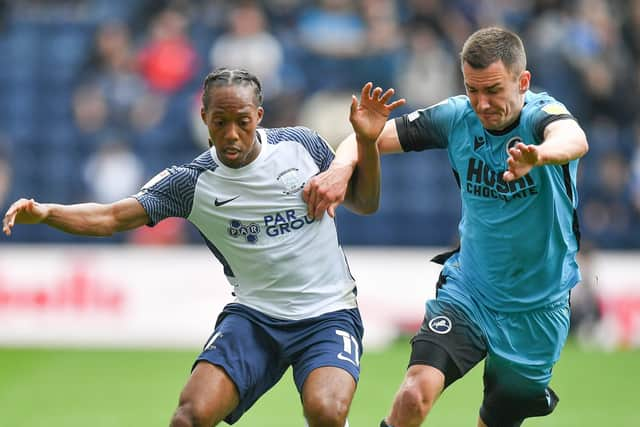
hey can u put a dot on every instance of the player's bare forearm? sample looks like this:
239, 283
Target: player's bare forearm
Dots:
363, 196
564, 141
557, 151
369, 119
347, 152
87, 219
94, 219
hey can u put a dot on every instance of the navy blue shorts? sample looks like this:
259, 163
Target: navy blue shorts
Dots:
255, 350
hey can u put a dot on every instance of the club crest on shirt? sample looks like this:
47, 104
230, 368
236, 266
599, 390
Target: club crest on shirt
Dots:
512, 142
290, 180
440, 325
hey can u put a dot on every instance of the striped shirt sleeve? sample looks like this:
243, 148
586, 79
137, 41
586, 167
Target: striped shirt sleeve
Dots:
316, 146
170, 193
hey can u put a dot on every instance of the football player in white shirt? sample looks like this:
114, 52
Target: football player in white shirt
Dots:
295, 299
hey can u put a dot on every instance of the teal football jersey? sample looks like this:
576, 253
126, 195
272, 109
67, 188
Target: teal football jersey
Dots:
518, 240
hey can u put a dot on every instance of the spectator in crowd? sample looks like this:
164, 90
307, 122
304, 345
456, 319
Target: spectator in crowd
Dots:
168, 61
333, 28
429, 72
384, 42
248, 44
90, 110
113, 70
113, 171
332, 34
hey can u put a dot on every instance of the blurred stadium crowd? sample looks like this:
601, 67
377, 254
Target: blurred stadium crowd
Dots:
96, 96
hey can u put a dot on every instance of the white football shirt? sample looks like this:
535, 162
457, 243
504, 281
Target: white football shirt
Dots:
255, 222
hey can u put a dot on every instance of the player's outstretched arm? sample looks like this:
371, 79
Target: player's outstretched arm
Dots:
354, 175
564, 140
368, 119
87, 219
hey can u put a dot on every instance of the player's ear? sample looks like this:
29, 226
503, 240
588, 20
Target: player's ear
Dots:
203, 115
524, 81
260, 112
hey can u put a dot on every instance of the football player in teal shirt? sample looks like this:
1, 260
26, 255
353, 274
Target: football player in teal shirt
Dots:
503, 295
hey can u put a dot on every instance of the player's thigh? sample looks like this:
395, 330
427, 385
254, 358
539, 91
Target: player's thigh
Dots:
248, 355
448, 340
209, 392
524, 348
331, 340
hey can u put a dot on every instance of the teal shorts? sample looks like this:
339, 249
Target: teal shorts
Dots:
519, 348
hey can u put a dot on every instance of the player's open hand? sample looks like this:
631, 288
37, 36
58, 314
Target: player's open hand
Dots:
23, 211
369, 115
522, 158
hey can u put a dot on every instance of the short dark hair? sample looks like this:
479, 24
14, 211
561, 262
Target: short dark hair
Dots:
227, 77
488, 45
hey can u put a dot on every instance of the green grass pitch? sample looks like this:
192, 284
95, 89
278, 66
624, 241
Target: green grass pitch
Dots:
101, 388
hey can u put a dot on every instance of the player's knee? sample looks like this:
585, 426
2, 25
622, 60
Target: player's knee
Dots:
181, 419
414, 401
189, 415
501, 409
326, 411
419, 391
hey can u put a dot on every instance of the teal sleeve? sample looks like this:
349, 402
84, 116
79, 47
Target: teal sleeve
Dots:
544, 112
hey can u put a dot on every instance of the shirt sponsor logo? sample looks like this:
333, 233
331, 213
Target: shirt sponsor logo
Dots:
281, 223
275, 224
238, 229
482, 181
478, 142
